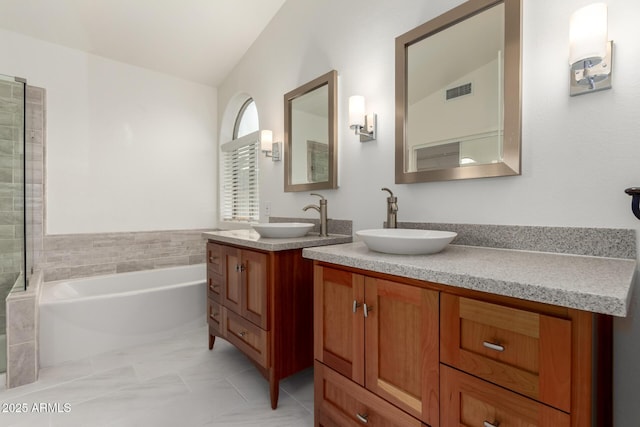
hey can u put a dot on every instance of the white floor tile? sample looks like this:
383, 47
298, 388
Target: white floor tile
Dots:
172, 382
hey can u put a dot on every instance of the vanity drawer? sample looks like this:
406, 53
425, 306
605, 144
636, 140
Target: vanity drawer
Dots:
248, 337
214, 316
340, 402
524, 351
470, 401
214, 285
214, 257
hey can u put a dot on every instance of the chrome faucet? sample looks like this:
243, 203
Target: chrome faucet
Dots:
322, 210
392, 210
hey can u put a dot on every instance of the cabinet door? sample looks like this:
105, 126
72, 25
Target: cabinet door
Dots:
232, 292
338, 321
401, 346
469, 401
254, 279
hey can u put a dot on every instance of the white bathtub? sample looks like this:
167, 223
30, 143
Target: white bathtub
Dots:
84, 317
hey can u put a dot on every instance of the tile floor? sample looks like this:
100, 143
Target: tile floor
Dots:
174, 382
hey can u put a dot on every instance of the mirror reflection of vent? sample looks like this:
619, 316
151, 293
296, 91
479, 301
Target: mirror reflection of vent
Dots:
459, 91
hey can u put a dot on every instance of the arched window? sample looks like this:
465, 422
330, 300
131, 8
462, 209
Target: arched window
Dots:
240, 201
247, 119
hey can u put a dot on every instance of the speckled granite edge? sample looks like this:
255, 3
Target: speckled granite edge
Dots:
334, 226
600, 242
548, 278
251, 239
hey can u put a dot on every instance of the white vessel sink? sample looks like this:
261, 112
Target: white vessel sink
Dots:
283, 230
406, 241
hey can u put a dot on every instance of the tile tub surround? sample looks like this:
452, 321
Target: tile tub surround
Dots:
22, 334
596, 284
83, 255
599, 242
251, 239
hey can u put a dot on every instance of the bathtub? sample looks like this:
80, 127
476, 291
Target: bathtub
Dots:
84, 317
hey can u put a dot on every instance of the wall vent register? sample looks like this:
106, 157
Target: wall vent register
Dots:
458, 91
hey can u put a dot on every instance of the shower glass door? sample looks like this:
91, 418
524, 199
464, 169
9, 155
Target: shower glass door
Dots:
12, 196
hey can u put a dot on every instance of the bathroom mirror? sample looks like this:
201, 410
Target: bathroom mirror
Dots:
310, 135
458, 94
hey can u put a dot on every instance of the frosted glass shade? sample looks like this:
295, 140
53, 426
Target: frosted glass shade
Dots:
356, 110
266, 140
588, 34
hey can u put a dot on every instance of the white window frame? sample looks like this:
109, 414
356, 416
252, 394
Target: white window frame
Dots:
240, 202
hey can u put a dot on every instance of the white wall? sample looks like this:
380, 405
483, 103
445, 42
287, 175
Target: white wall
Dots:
578, 154
128, 149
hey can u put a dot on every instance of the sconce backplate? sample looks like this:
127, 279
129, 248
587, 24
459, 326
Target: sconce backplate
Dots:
601, 73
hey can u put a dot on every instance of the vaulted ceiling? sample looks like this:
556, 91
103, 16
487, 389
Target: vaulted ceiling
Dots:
197, 40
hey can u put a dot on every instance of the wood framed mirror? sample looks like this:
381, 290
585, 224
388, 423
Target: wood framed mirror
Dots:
310, 136
458, 94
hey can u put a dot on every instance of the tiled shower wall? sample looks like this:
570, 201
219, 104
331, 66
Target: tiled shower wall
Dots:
11, 188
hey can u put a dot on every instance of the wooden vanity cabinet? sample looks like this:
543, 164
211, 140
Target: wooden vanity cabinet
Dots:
383, 337
262, 302
450, 357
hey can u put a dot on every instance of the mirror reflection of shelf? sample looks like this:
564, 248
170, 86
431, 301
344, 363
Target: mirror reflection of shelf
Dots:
480, 148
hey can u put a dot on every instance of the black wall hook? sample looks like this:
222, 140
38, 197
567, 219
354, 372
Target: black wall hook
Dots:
634, 192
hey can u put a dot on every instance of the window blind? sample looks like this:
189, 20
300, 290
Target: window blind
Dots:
240, 200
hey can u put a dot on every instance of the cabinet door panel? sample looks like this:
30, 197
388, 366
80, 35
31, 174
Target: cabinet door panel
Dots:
232, 292
339, 336
254, 287
469, 401
401, 346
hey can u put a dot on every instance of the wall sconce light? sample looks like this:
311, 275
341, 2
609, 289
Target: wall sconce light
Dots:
268, 147
590, 51
363, 124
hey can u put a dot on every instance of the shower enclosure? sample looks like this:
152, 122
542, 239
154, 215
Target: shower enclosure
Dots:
13, 247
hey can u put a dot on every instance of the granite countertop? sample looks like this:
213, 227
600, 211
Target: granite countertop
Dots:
251, 239
596, 284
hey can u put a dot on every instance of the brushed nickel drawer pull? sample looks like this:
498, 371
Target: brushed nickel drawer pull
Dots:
356, 304
242, 334
492, 346
363, 418
488, 424
367, 309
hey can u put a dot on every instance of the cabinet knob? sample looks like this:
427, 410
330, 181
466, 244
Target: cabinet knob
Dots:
363, 418
488, 424
211, 258
242, 334
492, 346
